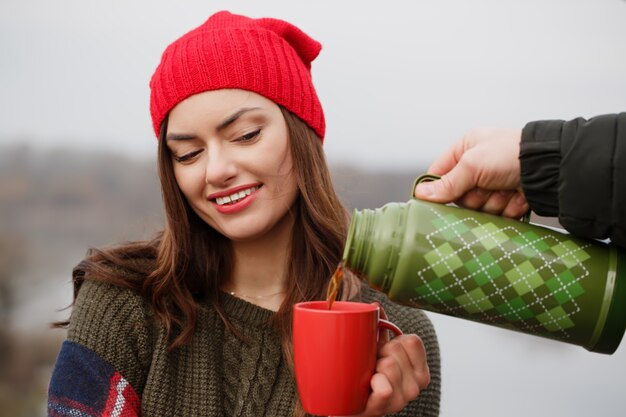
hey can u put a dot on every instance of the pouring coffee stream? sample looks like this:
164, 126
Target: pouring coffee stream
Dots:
494, 270
334, 285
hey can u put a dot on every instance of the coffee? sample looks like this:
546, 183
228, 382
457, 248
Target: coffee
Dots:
334, 285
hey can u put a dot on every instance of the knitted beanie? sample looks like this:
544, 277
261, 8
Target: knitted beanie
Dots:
267, 56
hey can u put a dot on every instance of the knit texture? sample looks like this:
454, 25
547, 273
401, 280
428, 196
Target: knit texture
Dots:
268, 56
83, 384
216, 374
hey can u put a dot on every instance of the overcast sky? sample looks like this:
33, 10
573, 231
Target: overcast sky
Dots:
399, 80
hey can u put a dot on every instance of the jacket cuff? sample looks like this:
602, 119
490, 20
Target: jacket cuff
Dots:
540, 157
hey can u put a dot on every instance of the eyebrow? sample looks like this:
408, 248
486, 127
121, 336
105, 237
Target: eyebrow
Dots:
179, 136
233, 117
223, 125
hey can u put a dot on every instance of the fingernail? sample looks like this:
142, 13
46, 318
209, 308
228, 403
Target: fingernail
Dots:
425, 189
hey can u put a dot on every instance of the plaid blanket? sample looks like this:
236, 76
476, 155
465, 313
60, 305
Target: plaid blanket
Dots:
85, 385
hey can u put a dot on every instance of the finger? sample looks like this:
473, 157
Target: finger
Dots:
390, 393
391, 367
497, 202
449, 188
416, 354
517, 206
474, 199
382, 400
398, 352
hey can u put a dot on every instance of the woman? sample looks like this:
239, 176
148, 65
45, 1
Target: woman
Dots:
197, 321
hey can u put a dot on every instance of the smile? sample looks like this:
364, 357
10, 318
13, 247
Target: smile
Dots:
235, 197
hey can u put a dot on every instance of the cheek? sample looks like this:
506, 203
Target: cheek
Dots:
289, 183
189, 180
287, 173
282, 166
282, 161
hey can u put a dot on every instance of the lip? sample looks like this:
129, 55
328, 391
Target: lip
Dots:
239, 205
232, 190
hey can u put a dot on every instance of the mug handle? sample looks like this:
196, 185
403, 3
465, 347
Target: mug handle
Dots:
386, 324
383, 323
432, 177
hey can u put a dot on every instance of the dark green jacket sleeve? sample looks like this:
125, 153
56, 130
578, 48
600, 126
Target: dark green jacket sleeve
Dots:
576, 170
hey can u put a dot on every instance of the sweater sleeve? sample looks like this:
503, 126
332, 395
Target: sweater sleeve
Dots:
113, 322
576, 170
83, 384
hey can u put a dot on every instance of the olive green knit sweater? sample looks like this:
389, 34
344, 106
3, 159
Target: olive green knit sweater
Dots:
215, 374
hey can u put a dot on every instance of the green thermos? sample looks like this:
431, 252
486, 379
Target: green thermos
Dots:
492, 270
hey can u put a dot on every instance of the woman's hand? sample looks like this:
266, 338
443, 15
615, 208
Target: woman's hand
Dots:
482, 172
401, 374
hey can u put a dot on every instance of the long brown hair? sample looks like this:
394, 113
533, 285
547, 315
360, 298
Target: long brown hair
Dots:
189, 261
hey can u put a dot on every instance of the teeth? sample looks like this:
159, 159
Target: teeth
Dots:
234, 197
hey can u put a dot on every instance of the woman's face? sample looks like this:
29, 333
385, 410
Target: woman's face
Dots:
232, 161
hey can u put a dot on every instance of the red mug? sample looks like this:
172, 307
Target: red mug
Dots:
335, 354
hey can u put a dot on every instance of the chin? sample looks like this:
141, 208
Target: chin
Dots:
243, 237
243, 231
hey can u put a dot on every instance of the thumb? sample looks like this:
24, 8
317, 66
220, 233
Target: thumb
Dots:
449, 188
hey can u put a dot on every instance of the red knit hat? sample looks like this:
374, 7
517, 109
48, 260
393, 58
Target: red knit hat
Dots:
268, 56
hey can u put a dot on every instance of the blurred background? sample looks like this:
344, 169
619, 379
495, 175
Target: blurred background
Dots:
400, 81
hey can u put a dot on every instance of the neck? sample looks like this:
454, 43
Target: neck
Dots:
259, 271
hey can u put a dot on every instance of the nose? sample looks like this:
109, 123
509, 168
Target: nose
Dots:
220, 167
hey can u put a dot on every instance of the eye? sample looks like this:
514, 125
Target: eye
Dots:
249, 136
186, 157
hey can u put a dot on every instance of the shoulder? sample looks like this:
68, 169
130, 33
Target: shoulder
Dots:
104, 313
112, 277
108, 302
116, 323
107, 297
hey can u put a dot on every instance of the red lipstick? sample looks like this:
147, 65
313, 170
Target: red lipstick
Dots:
243, 196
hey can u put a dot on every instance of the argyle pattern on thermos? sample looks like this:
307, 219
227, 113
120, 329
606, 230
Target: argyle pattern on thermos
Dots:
493, 270
502, 275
